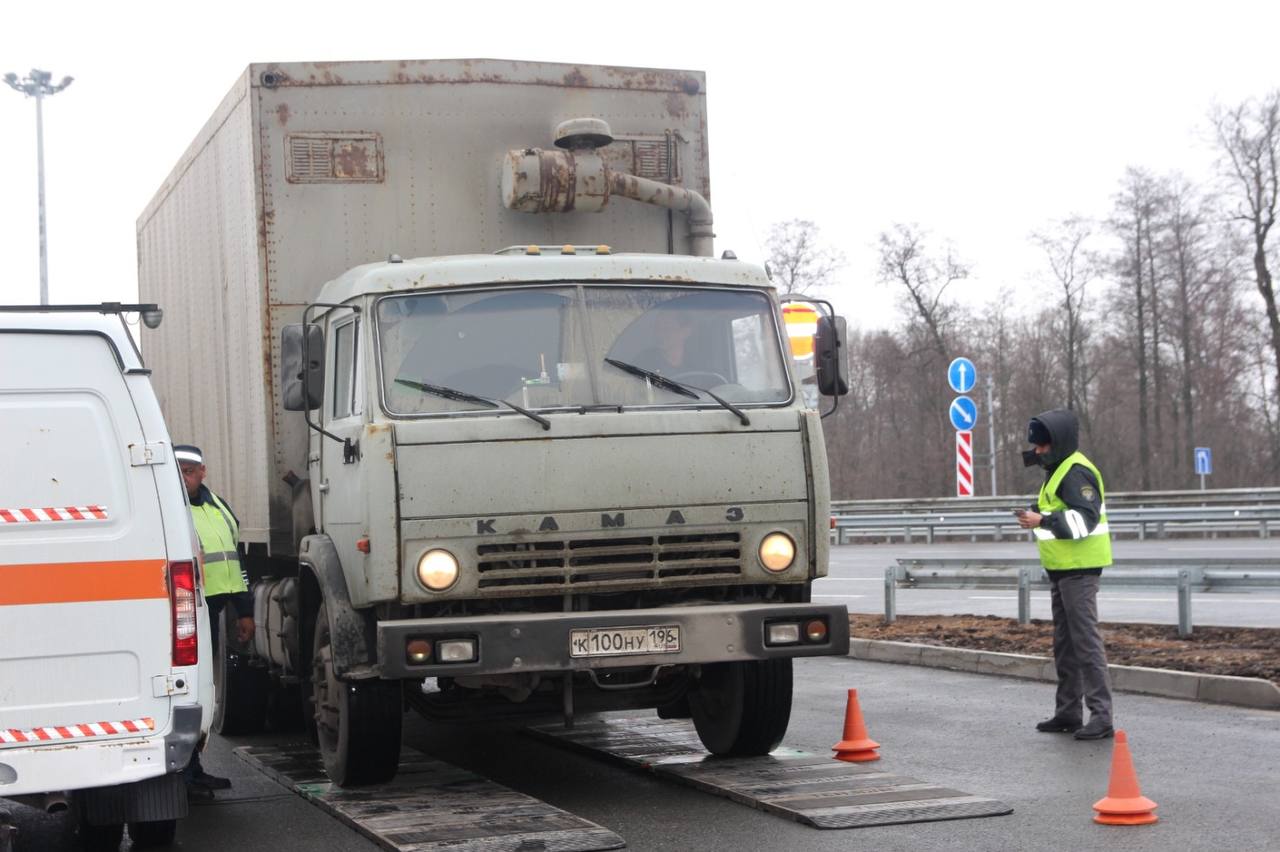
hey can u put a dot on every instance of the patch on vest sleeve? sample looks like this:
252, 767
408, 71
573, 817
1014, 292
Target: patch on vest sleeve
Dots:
1088, 493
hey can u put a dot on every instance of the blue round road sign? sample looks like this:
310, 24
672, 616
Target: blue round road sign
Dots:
964, 413
962, 375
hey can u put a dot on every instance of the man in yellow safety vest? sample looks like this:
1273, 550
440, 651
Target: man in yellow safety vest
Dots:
225, 581
1069, 521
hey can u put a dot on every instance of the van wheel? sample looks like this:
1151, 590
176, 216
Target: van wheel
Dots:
357, 722
158, 833
101, 838
240, 690
742, 708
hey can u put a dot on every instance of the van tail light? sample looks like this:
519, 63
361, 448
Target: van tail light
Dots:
182, 603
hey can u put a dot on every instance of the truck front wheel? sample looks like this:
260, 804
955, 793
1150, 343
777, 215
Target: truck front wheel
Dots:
357, 722
742, 708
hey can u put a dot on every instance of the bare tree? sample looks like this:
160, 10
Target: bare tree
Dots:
1064, 247
924, 279
1136, 207
798, 257
1186, 259
1249, 138
1156, 439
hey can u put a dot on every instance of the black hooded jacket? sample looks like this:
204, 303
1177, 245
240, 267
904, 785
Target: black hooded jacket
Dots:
1079, 489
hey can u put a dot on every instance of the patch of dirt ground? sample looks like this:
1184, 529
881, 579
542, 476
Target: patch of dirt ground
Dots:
1239, 651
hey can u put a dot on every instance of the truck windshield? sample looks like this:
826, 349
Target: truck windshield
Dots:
551, 347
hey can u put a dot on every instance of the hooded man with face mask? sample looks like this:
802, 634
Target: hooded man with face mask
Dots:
1069, 521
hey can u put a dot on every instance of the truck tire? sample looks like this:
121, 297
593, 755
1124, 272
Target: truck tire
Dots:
742, 708
147, 835
357, 722
240, 690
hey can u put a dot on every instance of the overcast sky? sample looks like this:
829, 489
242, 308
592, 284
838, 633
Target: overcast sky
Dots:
979, 121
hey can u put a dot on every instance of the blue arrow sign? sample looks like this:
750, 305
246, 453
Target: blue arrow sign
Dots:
1204, 461
964, 413
962, 376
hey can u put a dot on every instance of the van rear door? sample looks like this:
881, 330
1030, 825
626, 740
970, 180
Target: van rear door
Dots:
85, 620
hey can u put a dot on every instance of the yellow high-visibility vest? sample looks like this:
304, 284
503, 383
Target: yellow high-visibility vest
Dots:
1088, 549
218, 533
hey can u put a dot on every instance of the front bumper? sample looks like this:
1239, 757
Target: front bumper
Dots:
539, 642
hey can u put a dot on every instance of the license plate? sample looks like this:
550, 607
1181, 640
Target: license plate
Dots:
621, 641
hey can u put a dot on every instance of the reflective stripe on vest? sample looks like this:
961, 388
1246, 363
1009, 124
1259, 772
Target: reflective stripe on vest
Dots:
1088, 548
218, 532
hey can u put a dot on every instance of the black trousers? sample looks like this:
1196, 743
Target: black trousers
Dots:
1078, 652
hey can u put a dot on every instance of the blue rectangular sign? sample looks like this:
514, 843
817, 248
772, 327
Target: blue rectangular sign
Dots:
1204, 461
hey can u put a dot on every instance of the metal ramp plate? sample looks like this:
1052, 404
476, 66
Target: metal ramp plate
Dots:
811, 789
432, 805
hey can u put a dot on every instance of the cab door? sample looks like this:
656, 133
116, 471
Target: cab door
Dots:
341, 496
85, 620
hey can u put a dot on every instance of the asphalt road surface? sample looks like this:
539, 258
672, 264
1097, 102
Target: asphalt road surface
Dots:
1211, 769
856, 579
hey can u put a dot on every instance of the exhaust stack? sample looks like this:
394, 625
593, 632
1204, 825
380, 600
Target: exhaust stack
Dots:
536, 180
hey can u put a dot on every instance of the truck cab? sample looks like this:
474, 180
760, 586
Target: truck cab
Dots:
603, 481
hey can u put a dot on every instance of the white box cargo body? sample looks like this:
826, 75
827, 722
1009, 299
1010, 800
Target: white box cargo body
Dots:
309, 169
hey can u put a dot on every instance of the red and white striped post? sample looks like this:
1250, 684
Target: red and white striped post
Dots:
964, 464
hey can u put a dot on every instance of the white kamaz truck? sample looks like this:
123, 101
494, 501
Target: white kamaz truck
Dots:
503, 438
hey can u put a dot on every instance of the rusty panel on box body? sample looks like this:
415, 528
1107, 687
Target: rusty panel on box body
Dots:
233, 244
443, 130
198, 258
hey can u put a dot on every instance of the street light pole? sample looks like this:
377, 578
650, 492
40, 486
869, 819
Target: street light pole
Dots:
991, 432
36, 85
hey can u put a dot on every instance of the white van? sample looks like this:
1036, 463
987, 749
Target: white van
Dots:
105, 680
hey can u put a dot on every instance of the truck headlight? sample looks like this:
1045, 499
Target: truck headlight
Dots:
777, 552
437, 570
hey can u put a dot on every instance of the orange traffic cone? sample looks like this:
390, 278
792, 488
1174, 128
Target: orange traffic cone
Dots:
1124, 803
856, 747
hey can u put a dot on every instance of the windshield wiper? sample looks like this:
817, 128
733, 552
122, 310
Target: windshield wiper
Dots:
676, 387
463, 396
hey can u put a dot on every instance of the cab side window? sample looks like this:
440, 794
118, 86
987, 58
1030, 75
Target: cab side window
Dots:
346, 399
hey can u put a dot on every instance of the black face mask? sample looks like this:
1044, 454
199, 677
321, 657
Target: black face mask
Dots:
1030, 458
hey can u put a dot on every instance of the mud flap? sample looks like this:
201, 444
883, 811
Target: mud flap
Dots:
160, 798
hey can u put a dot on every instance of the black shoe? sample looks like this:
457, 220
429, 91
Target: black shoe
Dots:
1095, 730
1057, 726
198, 794
209, 782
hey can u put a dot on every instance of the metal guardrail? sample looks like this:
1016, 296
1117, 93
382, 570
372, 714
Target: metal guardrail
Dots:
1115, 500
1026, 574
1130, 519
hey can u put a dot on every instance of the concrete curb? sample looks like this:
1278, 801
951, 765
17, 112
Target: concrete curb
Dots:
1217, 689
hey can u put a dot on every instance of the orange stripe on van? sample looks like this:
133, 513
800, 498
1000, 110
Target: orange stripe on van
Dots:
77, 582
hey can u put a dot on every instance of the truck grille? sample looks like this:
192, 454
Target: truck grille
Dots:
609, 561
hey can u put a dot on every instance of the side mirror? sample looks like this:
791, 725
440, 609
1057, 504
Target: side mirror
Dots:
302, 380
831, 356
